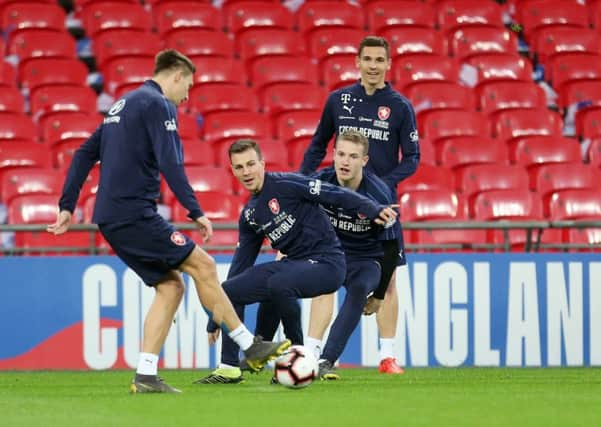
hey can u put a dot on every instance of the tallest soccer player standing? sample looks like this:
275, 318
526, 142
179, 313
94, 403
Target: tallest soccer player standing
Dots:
372, 107
138, 141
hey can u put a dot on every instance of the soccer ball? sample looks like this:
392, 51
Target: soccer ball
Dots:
296, 368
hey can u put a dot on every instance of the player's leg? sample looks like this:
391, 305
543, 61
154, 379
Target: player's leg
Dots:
268, 320
387, 318
361, 279
303, 279
322, 308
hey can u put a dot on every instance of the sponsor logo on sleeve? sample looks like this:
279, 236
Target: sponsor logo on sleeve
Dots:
413, 136
315, 187
113, 111
170, 125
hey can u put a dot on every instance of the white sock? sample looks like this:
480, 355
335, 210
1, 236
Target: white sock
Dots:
386, 348
226, 366
314, 346
242, 337
148, 364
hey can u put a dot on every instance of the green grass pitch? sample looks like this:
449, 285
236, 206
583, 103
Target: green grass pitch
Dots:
422, 397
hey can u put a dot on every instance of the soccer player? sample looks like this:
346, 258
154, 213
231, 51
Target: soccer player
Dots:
374, 108
137, 142
371, 250
285, 209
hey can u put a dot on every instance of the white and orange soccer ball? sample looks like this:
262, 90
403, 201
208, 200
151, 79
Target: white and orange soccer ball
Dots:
296, 368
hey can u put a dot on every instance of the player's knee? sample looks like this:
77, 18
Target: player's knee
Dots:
359, 290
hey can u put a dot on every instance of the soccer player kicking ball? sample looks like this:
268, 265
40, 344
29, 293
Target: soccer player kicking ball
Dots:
137, 142
285, 209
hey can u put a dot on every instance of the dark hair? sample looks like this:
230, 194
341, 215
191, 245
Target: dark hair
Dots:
374, 41
355, 137
171, 59
242, 145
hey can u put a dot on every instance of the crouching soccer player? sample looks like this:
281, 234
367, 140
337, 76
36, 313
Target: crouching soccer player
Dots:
285, 209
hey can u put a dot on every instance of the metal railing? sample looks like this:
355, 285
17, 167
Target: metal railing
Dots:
534, 231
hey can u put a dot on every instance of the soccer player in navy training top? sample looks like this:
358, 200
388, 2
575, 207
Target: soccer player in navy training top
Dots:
371, 250
374, 108
285, 209
137, 142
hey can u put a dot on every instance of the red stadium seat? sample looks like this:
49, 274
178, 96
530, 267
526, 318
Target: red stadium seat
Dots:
8, 75
46, 100
574, 66
42, 209
275, 154
426, 152
536, 151
460, 13
339, 70
470, 150
296, 124
16, 126
22, 155
41, 42
417, 68
534, 15
441, 124
62, 153
44, 71
283, 97
314, 14
384, 14
175, 15
217, 206
519, 123
327, 41
66, 125
11, 100
468, 41
297, 149
200, 42
594, 153
563, 176
414, 40
585, 93
30, 180
109, 44
590, 124
428, 96
513, 204
125, 70
475, 179
558, 40
274, 69
108, 15
202, 179
428, 177
501, 66
430, 205
582, 203
242, 16
260, 42
211, 69
208, 98
22, 14
594, 14
496, 96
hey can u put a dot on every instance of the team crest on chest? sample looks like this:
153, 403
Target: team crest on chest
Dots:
274, 206
383, 112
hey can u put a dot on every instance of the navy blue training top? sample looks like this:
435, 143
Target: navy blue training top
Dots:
287, 212
137, 141
386, 118
361, 238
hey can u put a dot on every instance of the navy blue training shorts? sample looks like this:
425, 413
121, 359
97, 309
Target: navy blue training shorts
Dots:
150, 246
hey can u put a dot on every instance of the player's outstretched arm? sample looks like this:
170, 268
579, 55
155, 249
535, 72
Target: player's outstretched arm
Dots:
62, 223
386, 215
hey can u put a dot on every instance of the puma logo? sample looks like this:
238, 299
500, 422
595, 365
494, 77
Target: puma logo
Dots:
349, 109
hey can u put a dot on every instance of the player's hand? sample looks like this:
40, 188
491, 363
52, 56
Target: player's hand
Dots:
213, 336
63, 220
205, 227
372, 306
386, 216
279, 256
